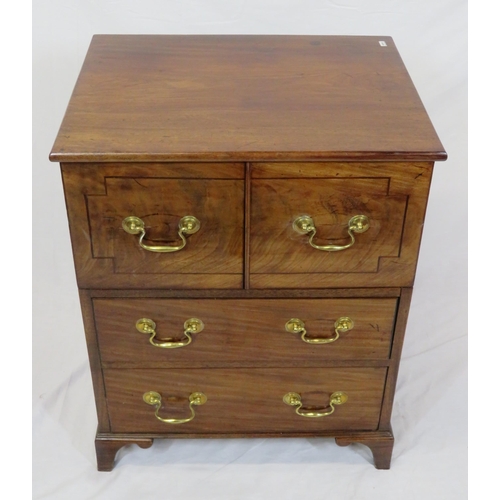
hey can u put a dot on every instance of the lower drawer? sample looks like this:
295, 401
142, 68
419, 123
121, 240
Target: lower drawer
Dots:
244, 400
242, 332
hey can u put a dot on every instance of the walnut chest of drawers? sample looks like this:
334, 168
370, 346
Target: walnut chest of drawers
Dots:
245, 215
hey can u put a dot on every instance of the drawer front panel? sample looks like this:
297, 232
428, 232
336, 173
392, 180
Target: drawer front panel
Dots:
331, 194
244, 400
108, 256
249, 332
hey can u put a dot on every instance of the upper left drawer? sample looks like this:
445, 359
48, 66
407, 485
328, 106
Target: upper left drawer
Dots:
99, 197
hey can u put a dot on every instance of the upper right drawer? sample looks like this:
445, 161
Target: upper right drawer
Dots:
331, 224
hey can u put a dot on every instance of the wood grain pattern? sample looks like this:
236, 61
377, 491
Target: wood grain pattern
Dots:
397, 347
248, 201
95, 362
277, 248
246, 133
245, 400
242, 332
380, 444
98, 200
393, 196
147, 98
318, 293
106, 448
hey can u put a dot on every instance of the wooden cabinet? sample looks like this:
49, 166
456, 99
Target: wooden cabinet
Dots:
245, 215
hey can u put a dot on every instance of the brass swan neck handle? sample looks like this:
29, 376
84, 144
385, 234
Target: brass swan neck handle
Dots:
187, 225
294, 399
154, 399
148, 326
305, 225
342, 325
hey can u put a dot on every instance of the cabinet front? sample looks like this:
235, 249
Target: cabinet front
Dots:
200, 333
157, 226
321, 225
255, 400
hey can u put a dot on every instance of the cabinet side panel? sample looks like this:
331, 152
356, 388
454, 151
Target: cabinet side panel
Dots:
95, 361
397, 347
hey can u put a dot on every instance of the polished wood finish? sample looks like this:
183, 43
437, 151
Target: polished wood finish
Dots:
244, 400
248, 207
99, 197
397, 347
107, 446
242, 332
392, 195
94, 361
380, 444
317, 293
246, 133
227, 97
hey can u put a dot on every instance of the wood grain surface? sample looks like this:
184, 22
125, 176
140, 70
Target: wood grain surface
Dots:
392, 195
246, 133
223, 97
244, 400
242, 332
99, 198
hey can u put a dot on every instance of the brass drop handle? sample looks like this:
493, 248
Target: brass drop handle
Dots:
193, 325
342, 325
187, 225
305, 225
294, 399
154, 399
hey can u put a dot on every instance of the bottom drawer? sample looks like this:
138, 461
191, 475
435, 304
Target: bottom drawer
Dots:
244, 400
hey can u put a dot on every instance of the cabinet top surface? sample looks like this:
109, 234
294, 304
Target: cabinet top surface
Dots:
244, 97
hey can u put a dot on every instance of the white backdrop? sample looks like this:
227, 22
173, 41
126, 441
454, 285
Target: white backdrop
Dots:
429, 417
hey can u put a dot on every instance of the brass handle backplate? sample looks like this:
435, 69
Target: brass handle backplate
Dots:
154, 399
342, 325
187, 225
294, 399
146, 325
305, 225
